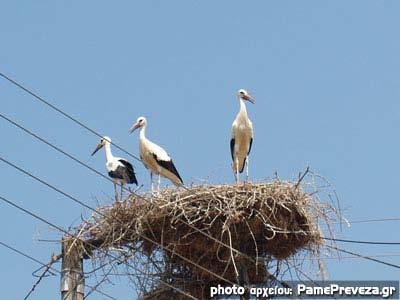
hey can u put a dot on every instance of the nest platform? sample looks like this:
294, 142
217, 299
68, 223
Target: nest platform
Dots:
188, 236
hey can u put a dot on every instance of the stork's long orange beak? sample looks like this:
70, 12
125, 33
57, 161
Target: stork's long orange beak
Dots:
99, 146
248, 98
134, 127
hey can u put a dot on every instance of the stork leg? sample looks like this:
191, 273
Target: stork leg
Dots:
237, 170
115, 190
159, 183
122, 189
247, 168
151, 180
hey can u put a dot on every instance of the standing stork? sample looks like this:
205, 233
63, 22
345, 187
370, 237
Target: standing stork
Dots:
155, 158
242, 136
119, 169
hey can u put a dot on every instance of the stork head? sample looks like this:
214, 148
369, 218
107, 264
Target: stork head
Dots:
140, 122
244, 95
104, 140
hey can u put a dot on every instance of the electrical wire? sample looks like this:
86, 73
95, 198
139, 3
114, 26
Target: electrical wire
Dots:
364, 256
52, 106
36, 136
361, 242
45, 265
46, 183
371, 220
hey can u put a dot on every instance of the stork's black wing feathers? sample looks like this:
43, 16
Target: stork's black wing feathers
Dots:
232, 148
126, 172
251, 143
232, 151
169, 165
118, 173
127, 164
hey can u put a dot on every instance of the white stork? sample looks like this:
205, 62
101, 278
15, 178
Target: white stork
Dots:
119, 169
242, 136
155, 158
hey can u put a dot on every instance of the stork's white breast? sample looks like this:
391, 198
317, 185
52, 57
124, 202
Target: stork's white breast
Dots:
112, 165
242, 127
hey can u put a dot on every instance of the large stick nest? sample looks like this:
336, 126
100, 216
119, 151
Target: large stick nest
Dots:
222, 229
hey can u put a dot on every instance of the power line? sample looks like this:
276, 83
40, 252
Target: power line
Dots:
22, 253
365, 257
373, 220
344, 257
52, 106
340, 240
361, 242
45, 265
46, 183
42, 220
57, 148
35, 216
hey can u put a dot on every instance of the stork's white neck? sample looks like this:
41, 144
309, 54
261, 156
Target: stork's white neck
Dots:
109, 155
242, 110
142, 134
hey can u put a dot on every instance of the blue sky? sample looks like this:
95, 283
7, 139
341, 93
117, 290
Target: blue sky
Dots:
325, 76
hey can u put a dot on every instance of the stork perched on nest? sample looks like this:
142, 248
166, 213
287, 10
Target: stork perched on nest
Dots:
155, 158
119, 169
242, 136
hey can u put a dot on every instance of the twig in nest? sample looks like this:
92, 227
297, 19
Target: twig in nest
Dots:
302, 177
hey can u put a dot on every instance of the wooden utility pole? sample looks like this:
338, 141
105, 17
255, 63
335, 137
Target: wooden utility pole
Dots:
72, 280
